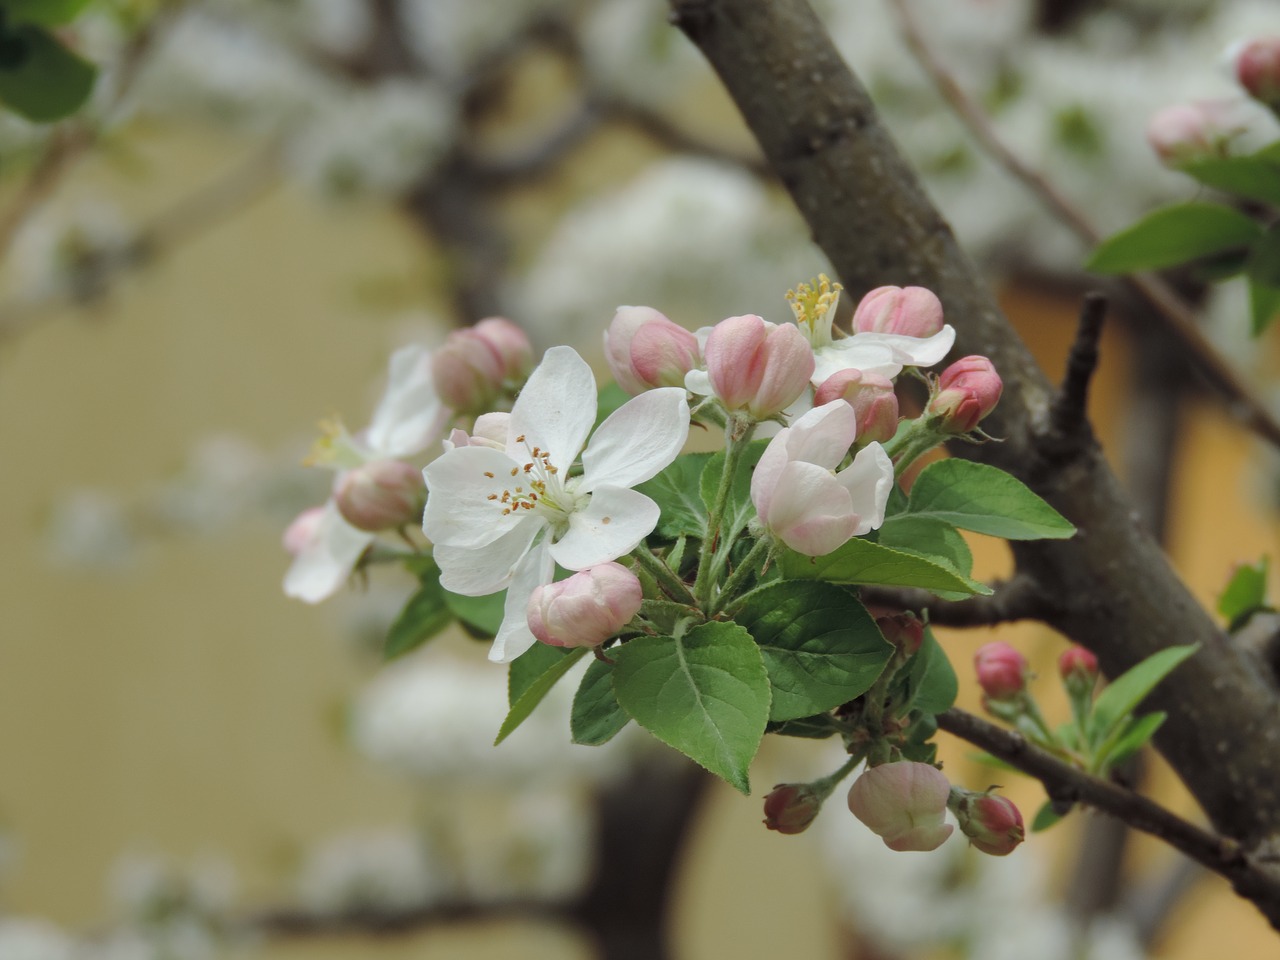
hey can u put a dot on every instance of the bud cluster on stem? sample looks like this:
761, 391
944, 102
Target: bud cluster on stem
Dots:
992, 823
903, 803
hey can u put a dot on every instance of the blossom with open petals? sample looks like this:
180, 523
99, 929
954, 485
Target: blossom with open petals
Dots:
802, 501
501, 519
872, 352
409, 417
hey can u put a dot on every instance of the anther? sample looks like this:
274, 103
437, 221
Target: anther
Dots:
488, 474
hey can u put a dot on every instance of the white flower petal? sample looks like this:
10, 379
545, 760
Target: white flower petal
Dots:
856, 353
410, 416
869, 480
555, 410
823, 435
514, 636
477, 571
917, 351
325, 562
460, 484
611, 525
764, 479
699, 382
812, 513
638, 440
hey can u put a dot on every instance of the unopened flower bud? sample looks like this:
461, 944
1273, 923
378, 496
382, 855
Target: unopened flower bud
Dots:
1257, 67
1079, 670
909, 311
791, 807
758, 367
645, 350
477, 365
904, 630
1186, 132
1002, 671
302, 530
968, 390
586, 609
380, 495
904, 803
872, 399
992, 823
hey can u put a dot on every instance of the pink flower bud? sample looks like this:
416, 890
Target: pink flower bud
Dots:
968, 390
1257, 67
1078, 662
791, 807
1187, 132
645, 350
992, 823
756, 366
904, 631
909, 311
903, 803
872, 399
302, 530
380, 495
475, 366
1002, 670
511, 346
586, 609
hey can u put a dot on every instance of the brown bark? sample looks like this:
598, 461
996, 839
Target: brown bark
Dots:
1115, 590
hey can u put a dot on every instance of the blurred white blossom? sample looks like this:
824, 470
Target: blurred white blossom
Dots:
385, 870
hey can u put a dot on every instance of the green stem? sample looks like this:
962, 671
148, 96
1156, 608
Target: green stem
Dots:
736, 438
671, 584
823, 786
729, 592
910, 445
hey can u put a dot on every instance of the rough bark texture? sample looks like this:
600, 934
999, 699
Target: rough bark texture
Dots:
1117, 593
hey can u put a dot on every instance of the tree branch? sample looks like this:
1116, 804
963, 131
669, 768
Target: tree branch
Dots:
1117, 593
1064, 783
1019, 598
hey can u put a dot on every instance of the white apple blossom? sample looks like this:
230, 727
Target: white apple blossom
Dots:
407, 420
501, 519
798, 497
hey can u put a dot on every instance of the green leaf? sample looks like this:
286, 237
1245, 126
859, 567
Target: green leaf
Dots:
819, 727
1246, 591
932, 678
1253, 176
1264, 306
739, 509
706, 694
677, 491
425, 615
1136, 736
820, 646
597, 716
45, 13
43, 80
1045, 818
482, 616
533, 691
1172, 236
984, 499
609, 400
525, 669
863, 562
1123, 694
928, 537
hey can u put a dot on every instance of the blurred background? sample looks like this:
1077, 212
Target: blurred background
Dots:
261, 202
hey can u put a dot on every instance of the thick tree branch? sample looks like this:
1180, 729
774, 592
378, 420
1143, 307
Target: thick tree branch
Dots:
1063, 782
1118, 594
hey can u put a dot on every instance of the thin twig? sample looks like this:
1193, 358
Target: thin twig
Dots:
191, 216
1065, 783
1019, 598
1177, 317
1068, 413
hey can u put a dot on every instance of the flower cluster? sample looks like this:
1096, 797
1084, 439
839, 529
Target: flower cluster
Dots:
560, 520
